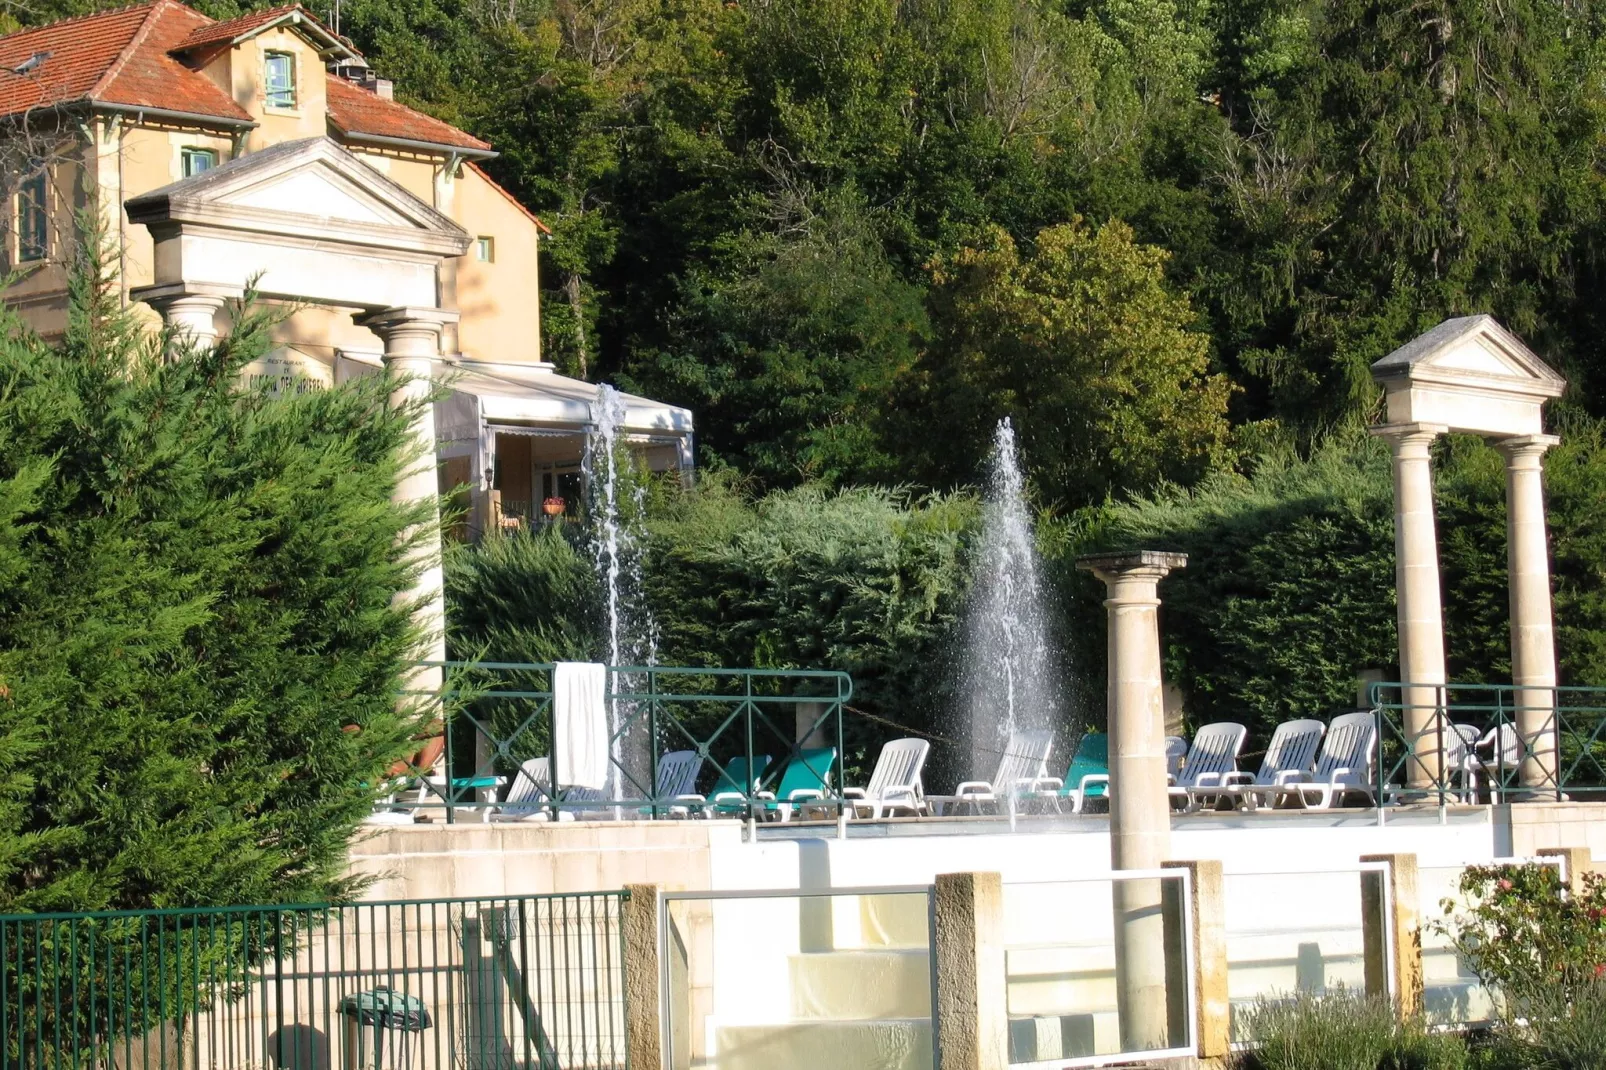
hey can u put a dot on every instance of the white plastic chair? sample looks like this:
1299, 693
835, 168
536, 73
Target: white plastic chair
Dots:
1023, 764
1506, 753
1290, 755
1211, 758
1345, 764
894, 783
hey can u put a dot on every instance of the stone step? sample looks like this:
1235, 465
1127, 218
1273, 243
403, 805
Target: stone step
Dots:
860, 985
896, 1044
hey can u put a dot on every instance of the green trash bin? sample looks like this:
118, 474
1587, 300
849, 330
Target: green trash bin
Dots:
379, 1014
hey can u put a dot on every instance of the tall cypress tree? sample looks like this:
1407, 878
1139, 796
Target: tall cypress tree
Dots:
199, 652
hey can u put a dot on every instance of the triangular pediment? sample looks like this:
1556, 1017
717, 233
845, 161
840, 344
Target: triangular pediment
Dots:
298, 186
1472, 348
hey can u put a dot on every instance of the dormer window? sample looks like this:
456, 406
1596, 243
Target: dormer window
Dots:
279, 77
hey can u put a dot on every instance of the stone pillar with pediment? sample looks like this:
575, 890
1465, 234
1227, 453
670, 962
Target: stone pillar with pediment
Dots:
308, 223
1471, 375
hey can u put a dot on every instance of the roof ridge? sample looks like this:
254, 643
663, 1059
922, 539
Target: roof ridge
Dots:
105, 80
102, 13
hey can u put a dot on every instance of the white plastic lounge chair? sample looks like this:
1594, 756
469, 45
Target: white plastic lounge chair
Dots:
677, 783
1023, 765
894, 783
1176, 749
529, 796
1345, 764
1211, 758
1289, 756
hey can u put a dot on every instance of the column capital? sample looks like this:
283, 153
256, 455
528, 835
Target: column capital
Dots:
406, 318
1522, 450
166, 293
1152, 565
1410, 439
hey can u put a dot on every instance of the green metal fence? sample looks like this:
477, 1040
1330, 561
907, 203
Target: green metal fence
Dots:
1451, 743
527, 982
745, 727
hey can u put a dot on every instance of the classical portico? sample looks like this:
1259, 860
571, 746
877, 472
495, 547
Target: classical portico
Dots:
373, 249
1471, 375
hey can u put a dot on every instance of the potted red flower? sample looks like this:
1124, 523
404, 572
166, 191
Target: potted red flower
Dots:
553, 506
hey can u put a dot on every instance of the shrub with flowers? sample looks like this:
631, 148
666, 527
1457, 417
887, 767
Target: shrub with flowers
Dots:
1544, 952
1522, 936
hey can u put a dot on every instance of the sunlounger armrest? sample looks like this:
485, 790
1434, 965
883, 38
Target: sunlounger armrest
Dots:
853, 793
1044, 783
1093, 778
978, 787
1237, 779
801, 794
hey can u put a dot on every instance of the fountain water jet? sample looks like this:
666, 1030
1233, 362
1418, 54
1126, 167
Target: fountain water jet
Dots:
1011, 674
616, 507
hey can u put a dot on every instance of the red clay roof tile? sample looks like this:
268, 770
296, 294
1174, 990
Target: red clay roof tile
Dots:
354, 110
229, 29
126, 56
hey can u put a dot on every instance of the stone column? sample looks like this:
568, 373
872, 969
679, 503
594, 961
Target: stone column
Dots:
1533, 642
412, 349
972, 1011
1416, 589
638, 923
1140, 809
190, 310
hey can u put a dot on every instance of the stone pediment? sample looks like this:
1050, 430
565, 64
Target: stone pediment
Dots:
1471, 347
1468, 374
311, 189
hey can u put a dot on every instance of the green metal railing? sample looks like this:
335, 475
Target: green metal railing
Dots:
501, 716
532, 982
1506, 742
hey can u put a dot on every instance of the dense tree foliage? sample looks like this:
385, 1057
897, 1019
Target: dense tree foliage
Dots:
760, 207
199, 653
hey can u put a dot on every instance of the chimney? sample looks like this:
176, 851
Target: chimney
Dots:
383, 87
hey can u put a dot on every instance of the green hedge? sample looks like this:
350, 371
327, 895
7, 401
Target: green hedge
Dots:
1288, 594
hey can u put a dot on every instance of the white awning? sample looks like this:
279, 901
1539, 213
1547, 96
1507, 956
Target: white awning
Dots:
485, 399
536, 395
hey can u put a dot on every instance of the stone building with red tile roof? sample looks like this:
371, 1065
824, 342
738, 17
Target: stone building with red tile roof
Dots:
217, 152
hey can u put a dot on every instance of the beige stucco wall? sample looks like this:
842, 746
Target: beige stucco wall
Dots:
499, 300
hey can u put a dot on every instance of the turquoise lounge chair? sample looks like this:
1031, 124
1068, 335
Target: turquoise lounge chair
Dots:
1087, 777
737, 783
807, 778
